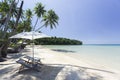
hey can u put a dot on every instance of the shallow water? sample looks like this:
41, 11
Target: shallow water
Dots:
103, 54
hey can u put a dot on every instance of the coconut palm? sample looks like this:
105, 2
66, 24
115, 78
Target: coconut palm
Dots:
12, 8
50, 19
9, 11
39, 11
28, 20
28, 14
4, 9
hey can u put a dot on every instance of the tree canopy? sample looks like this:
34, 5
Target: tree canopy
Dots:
57, 41
14, 19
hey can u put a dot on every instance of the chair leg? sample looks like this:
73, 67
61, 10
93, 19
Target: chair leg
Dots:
21, 68
37, 69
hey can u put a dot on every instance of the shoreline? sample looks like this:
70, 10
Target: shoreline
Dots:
62, 66
91, 58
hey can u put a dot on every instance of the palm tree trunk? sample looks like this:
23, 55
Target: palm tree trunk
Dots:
4, 49
2, 22
6, 44
5, 29
1, 50
18, 17
35, 24
40, 28
7, 20
1, 59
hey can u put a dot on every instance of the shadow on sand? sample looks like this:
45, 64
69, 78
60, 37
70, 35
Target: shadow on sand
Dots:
26, 50
15, 56
52, 72
47, 72
62, 50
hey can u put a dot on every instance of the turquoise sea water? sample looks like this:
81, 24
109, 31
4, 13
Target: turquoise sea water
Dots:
104, 54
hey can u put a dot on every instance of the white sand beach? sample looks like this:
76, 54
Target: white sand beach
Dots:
56, 66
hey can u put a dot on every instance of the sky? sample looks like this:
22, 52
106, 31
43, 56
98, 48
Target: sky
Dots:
90, 21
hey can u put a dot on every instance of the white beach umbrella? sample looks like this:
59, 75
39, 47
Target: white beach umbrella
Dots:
30, 35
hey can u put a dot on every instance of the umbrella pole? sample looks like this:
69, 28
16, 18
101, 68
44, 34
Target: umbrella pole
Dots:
33, 45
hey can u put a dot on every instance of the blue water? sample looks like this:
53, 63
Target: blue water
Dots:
105, 54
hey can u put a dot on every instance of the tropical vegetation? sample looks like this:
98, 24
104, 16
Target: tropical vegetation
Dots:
57, 41
13, 20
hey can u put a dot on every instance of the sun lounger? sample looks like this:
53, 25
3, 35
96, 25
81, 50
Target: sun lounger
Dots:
35, 59
27, 62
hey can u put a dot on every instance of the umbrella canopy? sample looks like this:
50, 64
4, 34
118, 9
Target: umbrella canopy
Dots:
30, 35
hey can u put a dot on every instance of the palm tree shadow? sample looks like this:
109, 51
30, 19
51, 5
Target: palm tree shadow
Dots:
73, 75
78, 75
47, 72
6, 70
15, 56
26, 50
53, 72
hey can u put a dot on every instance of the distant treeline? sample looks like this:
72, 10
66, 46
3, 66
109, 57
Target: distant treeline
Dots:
57, 41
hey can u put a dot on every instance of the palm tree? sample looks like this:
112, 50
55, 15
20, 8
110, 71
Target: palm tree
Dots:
9, 11
28, 14
50, 19
7, 15
39, 11
4, 9
12, 8
28, 20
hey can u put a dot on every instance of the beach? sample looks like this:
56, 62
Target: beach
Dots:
56, 66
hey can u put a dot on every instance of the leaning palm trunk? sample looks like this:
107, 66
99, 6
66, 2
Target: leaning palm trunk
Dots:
7, 20
1, 59
2, 47
18, 17
6, 43
40, 28
35, 24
